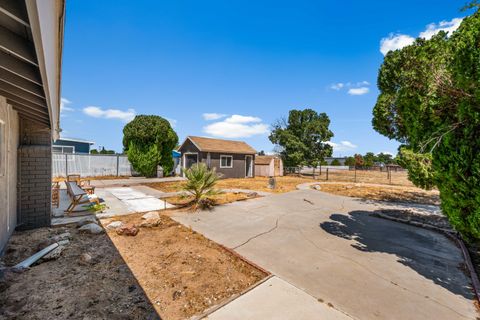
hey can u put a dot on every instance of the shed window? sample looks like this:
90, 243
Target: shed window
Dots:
226, 162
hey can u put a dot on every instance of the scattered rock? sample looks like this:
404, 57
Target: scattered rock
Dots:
127, 230
85, 257
114, 225
252, 194
150, 223
62, 236
54, 254
151, 215
86, 220
91, 228
317, 187
176, 294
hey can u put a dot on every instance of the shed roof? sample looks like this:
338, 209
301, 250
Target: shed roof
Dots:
220, 145
263, 160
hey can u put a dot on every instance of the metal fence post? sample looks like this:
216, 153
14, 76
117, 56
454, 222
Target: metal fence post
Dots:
118, 164
327, 174
355, 174
66, 165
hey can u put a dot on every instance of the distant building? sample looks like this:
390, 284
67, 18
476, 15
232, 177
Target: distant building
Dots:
70, 145
342, 160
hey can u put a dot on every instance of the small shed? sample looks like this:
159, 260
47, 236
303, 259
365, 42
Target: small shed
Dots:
233, 159
268, 166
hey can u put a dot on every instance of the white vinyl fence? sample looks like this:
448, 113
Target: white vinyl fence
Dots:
90, 165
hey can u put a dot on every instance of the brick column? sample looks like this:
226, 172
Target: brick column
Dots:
34, 175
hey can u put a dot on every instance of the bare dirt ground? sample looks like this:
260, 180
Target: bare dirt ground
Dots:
70, 287
182, 272
383, 193
222, 198
167, 271
367, 176
284, 184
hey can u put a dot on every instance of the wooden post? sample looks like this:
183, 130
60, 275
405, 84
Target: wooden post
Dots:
327, 174
118, 164
66, 165
355, 174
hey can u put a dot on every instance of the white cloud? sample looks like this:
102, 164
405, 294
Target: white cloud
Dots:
173, 122
337, 86
394, 42
358, 91
213, 116
96, 112
64, 102
398, 41
447, 26
242, 119
342, 145
237, 126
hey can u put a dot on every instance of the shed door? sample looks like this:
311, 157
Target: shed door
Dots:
190, 160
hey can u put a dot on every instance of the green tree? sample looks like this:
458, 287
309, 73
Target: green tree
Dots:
335, 162
350, 161
385, 158
140, 135
369, 159
430, 101
302, 139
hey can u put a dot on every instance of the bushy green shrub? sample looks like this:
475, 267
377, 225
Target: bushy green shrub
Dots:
144, 160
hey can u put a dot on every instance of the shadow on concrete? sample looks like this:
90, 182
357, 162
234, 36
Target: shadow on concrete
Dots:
429, 253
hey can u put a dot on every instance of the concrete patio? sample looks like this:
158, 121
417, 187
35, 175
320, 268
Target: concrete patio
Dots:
349, 263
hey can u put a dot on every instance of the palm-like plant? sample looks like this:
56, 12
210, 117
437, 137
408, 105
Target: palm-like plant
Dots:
201, 183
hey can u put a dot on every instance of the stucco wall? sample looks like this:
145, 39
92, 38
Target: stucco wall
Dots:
8, 176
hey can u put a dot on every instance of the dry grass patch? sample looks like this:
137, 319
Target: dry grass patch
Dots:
383, 193
182, 272
284, 184
219, 199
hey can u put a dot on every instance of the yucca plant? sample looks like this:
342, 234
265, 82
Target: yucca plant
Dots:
200, 184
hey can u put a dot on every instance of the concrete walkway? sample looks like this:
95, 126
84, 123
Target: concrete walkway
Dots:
332, 250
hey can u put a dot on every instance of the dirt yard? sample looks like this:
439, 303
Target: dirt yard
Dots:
182, 272
366, 176
284, 184
222, 198
168, 271
71, 287
383, 193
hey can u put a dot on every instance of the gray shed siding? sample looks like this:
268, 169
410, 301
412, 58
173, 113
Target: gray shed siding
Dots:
238, 170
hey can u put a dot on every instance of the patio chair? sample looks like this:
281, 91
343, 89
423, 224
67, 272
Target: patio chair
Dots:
78, 196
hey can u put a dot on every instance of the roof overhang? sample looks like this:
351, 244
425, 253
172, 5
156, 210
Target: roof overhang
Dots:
31, 43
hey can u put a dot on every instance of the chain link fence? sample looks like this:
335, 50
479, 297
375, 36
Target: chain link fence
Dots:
381, 175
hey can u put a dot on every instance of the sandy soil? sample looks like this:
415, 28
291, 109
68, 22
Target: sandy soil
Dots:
284, 184
70, 287
383, 193
182, 272
219, 199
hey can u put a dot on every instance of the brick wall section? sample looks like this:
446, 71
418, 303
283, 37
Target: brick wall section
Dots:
34, 175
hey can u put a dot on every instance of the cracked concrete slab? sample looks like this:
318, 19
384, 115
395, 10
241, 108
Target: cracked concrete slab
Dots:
331, 248
277, 299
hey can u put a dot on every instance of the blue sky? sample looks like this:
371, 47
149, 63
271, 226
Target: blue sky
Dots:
231, 68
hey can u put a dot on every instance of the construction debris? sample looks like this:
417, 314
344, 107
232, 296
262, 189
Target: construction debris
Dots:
34, 258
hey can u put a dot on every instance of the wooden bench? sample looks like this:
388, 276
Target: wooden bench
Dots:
78, 196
